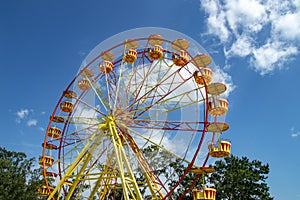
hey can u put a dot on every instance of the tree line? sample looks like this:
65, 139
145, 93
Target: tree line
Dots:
234, 178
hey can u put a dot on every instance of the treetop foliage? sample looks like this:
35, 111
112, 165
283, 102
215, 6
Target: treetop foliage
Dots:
239, 178
19, 179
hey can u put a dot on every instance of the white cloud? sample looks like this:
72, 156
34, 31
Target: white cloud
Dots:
23, 113
221, 76
81, 53
32, 122
288, 26
294, 133
271, 55
247, 15
265, 32
216, 20
242, 47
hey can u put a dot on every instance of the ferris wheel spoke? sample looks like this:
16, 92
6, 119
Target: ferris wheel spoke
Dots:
118, 87
85, 129
108, 99
183, 95
75, 147
160, 99
170, 104
111, 85
178, 106
93, 108
147, 102
163, 79
167, 125
91, 121
150, 140
100, 95
144, 77
70, 140
77, 144
115, 86
167, 83
132, 85
153, 181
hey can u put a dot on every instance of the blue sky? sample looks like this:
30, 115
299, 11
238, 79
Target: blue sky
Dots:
255, 43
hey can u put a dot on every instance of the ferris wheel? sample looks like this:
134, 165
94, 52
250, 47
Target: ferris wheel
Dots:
141, 100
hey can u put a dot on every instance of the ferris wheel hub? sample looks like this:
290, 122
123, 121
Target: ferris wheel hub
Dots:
107, 121
122, 117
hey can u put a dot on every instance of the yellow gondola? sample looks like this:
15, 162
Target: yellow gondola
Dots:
130, 56
84, 84
87, 72
57, 119
66, 106
203, 170
46, 160
155, 39
218, 107
220, 151
201, 60
156, 53
69, 94
49, 146
51, 174
216, 88
218, 127
204, 193
106, 67
205, 76
180, 44
54, 132
44, 191
109, 56
182, 59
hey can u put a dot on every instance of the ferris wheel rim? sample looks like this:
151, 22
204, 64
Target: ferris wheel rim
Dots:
87, 65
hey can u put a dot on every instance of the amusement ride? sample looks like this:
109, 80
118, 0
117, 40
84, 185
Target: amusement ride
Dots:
141, 100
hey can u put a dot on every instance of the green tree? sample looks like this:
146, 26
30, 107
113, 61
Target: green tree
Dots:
239, 178
19, 180
234, 178
174, 170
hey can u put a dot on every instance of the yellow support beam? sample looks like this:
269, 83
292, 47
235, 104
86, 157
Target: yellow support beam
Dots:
124, 164
151, 181
88, 156
72, 168
107, 179
117, 168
